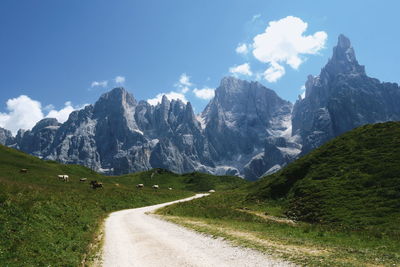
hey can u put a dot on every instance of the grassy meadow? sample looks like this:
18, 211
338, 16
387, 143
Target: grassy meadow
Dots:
47, 222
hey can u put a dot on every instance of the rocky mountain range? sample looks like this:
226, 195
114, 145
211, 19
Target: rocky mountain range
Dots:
246, 129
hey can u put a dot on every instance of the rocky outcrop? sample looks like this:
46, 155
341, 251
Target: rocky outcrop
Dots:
39, 140
341, 98
240, 119
6, 137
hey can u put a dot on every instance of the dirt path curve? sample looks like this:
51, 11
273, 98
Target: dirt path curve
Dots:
134, 238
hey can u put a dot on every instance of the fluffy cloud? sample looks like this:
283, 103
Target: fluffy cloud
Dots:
242, 49
204, 93
119, 80
24, 113
284, 42
243, 69
171, 95
99, 84
274, 72
185, 80
62, 114
184, 83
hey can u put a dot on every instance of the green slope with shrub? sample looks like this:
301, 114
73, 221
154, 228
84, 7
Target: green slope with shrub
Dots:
337, 206
352, 181
47, 222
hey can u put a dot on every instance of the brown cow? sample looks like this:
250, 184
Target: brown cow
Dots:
95, 184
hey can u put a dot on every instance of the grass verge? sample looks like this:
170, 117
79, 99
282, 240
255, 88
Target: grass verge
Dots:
263, 227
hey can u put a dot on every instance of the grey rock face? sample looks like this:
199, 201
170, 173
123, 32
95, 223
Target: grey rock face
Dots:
278, 151
38, 141
239, 118
242, 121
6, 137
119, 135
341, 98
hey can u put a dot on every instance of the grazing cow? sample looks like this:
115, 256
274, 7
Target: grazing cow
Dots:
169, 188
23, 170
211, 191
83, 179
63, 177
155, 186
139, 186
95, 184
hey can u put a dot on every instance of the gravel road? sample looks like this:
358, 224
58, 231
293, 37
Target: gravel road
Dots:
134, 238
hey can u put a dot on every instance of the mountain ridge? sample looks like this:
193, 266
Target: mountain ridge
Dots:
245, 130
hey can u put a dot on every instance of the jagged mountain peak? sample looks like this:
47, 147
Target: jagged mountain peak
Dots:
343, 42
46, 122
116, 101
344, 59
118, 95
165, 101
341, 98
233, 84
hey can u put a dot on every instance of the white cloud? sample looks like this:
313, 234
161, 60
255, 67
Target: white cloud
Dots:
303, 94
49, 107
185, 80
284, 42
184, 83
274, 72
119, 80
99, 84
242, 49
62, 114
204, 93
185, 90
243, 69
171, 95
24, 113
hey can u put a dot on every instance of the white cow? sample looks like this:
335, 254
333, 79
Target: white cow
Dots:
155, 186
63, 177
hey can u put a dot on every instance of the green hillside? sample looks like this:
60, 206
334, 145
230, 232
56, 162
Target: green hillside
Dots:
337, 206
47, 222
352, 181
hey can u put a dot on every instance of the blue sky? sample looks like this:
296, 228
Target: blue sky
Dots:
54, 51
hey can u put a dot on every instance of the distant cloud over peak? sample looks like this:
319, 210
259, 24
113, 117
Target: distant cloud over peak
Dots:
99, 84
184, 83
171, 96
204, 93
242, 49
284, 42
24, 113
243, 69
119, 80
